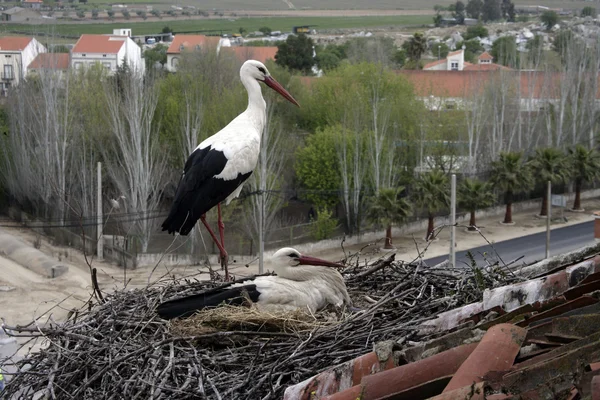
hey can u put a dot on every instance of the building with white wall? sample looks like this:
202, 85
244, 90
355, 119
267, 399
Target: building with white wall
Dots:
16, 53
110, 51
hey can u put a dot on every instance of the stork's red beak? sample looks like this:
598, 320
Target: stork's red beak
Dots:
273, 84
306, 260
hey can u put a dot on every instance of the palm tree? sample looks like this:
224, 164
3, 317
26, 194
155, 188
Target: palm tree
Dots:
416, 46
474, 194
549, 164
511, 175
388, 208
585, 167
431, 192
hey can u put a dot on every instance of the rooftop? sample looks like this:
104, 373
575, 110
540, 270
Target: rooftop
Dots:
106, 44
50, 61
537, 339
244, 53
191, 42
14, 43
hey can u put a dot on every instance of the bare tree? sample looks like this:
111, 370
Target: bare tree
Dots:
136, 164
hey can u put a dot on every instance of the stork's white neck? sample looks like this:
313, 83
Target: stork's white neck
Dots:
256, 102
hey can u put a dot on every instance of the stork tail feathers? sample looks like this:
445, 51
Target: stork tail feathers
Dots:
186, 306
179, 221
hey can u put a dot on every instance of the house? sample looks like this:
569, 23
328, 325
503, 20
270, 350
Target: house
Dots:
50, 62
111, 51
19, 14
183, 43
34, 4
16, 53
244, 53
534, 90
455, 61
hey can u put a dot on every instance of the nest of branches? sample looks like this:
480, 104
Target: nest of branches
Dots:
119, 347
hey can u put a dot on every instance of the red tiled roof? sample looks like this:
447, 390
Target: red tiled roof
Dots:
190, 42
434, 63
485, 56
542, 342
34, 1
14, 43
245, 53
50, 61
106, 44
461, 84
454, 53
485, 67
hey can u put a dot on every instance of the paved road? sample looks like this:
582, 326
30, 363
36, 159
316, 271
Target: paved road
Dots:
532, 247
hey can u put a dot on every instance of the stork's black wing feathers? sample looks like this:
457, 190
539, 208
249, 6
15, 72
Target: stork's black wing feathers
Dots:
198, 190
186, 306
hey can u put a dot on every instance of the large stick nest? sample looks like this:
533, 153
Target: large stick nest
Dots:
120, 348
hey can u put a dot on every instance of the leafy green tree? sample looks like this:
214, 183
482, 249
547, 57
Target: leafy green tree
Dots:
388, 207
156, 54
324, 225
59, 48
459, 12
588, 11
327, 60
167, 29
512, 175
549, 18
431, 190
317, 168
437, 20
242, 30
472, 48
265, 30
535, 49
508, 10
80, 14
95, 14
476, 31
473, 195
440, 50
399, 58
156, 13
504, 51
296, 53
126, 14
416, 46
111, 14
491, 10
186, 13
474, 8
585, 167
549, 164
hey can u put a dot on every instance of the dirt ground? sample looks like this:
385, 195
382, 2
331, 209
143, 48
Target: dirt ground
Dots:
25, 295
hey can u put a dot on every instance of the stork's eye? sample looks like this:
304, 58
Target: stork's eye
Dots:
261, 69
293, 255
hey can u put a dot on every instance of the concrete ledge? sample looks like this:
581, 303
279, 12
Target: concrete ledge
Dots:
30, 257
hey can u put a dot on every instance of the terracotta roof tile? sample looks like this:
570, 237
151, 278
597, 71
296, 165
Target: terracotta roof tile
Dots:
497, 365
485, 56
259, 53
454, 53
105, 44
434, 63
486, 67
14, 43
50, 61
192, 42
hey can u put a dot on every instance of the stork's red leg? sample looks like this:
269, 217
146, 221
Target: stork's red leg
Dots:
224, 256
222, 251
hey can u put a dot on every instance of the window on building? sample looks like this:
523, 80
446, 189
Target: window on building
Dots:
454, 65
106, 65
8, 72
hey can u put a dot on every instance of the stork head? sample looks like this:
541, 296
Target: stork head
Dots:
290, 257
257, 70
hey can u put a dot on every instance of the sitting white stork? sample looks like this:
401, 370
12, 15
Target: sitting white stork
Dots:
217, 169
301, 282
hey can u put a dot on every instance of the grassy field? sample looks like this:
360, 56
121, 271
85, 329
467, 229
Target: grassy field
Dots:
222, 25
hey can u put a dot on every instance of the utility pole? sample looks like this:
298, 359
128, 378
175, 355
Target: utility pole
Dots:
99, 240
549, 207
453, 221
261, 241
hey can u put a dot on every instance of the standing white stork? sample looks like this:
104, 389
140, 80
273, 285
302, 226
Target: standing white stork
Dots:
217, 169
301, 282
